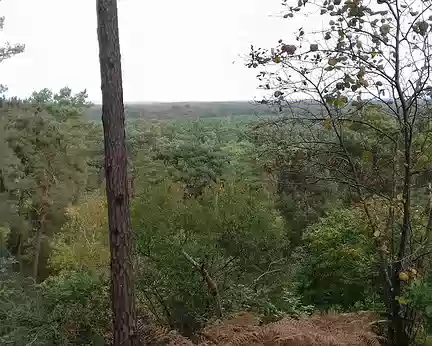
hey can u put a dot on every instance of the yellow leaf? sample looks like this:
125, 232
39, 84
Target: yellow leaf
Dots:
367, 156
413, 271
402, 301
328, 124
403, 276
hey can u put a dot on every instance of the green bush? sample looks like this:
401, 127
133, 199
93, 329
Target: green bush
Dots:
339, 268
233, 231
273, 303
71, 309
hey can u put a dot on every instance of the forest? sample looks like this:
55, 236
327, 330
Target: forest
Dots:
304, 218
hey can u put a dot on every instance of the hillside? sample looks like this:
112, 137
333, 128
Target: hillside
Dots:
185, 110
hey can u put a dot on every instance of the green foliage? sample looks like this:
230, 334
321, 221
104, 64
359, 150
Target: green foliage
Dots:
339, 262
44, 169
82, 244
195, 165
71, 309
232, 231
260, 210
63, 105
273, 303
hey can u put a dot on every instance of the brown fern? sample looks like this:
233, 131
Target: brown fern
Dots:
244, 330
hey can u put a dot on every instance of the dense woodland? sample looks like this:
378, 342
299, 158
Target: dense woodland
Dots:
213, 190
281, 208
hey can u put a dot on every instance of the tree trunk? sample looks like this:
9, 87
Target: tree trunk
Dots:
37, 252
211, 284
401, 324
42, 213
113, 119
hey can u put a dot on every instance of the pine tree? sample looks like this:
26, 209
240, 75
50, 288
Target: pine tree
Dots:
113, 120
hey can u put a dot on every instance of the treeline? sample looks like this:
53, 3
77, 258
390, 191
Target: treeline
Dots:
185, 110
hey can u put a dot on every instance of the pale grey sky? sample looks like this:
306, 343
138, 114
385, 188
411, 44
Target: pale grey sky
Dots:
172, 50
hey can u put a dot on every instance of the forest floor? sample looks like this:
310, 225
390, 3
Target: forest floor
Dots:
244, 329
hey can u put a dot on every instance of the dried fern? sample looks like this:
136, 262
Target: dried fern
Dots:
244, 330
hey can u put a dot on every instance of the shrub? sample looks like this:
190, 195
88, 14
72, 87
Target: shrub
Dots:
232, 231
71, 309
339, 262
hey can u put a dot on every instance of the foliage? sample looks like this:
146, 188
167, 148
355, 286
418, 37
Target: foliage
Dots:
369, 54
65, 310
82, 243
45, 169
7, 51
230, 230
271, 302
339, 262
63, 105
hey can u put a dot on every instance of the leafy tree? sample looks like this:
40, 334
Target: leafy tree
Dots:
7, 51
340, 265
82, 244
70, 309
368, 53
63, 105
195, 165
48, 179
231, 231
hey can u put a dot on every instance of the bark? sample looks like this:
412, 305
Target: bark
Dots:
401, 324
113, 119
42, 212
37, 251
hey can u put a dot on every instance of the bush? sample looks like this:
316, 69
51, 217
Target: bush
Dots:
272, 303
339, 267
233, 231
71, 309
82, 244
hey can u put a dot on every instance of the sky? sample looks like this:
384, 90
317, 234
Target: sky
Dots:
172, 50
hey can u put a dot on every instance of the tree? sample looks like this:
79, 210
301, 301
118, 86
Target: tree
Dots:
369, 54
339, 266
8, 51
43, 172
116, 170
64, 105
202, 255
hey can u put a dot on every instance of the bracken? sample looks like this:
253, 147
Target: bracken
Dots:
244, 330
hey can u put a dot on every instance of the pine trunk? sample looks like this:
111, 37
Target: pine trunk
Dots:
113, 119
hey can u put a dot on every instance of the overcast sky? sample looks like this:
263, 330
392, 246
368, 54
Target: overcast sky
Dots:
172, 50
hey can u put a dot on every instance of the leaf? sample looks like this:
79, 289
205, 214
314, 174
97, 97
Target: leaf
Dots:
373, 54
385, 29
314, 47
341, 101
428, 310
403, 276
402, 300
367, 156
327, 124
332, 62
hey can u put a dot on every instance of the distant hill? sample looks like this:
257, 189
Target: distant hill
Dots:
199, 110
185, 110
